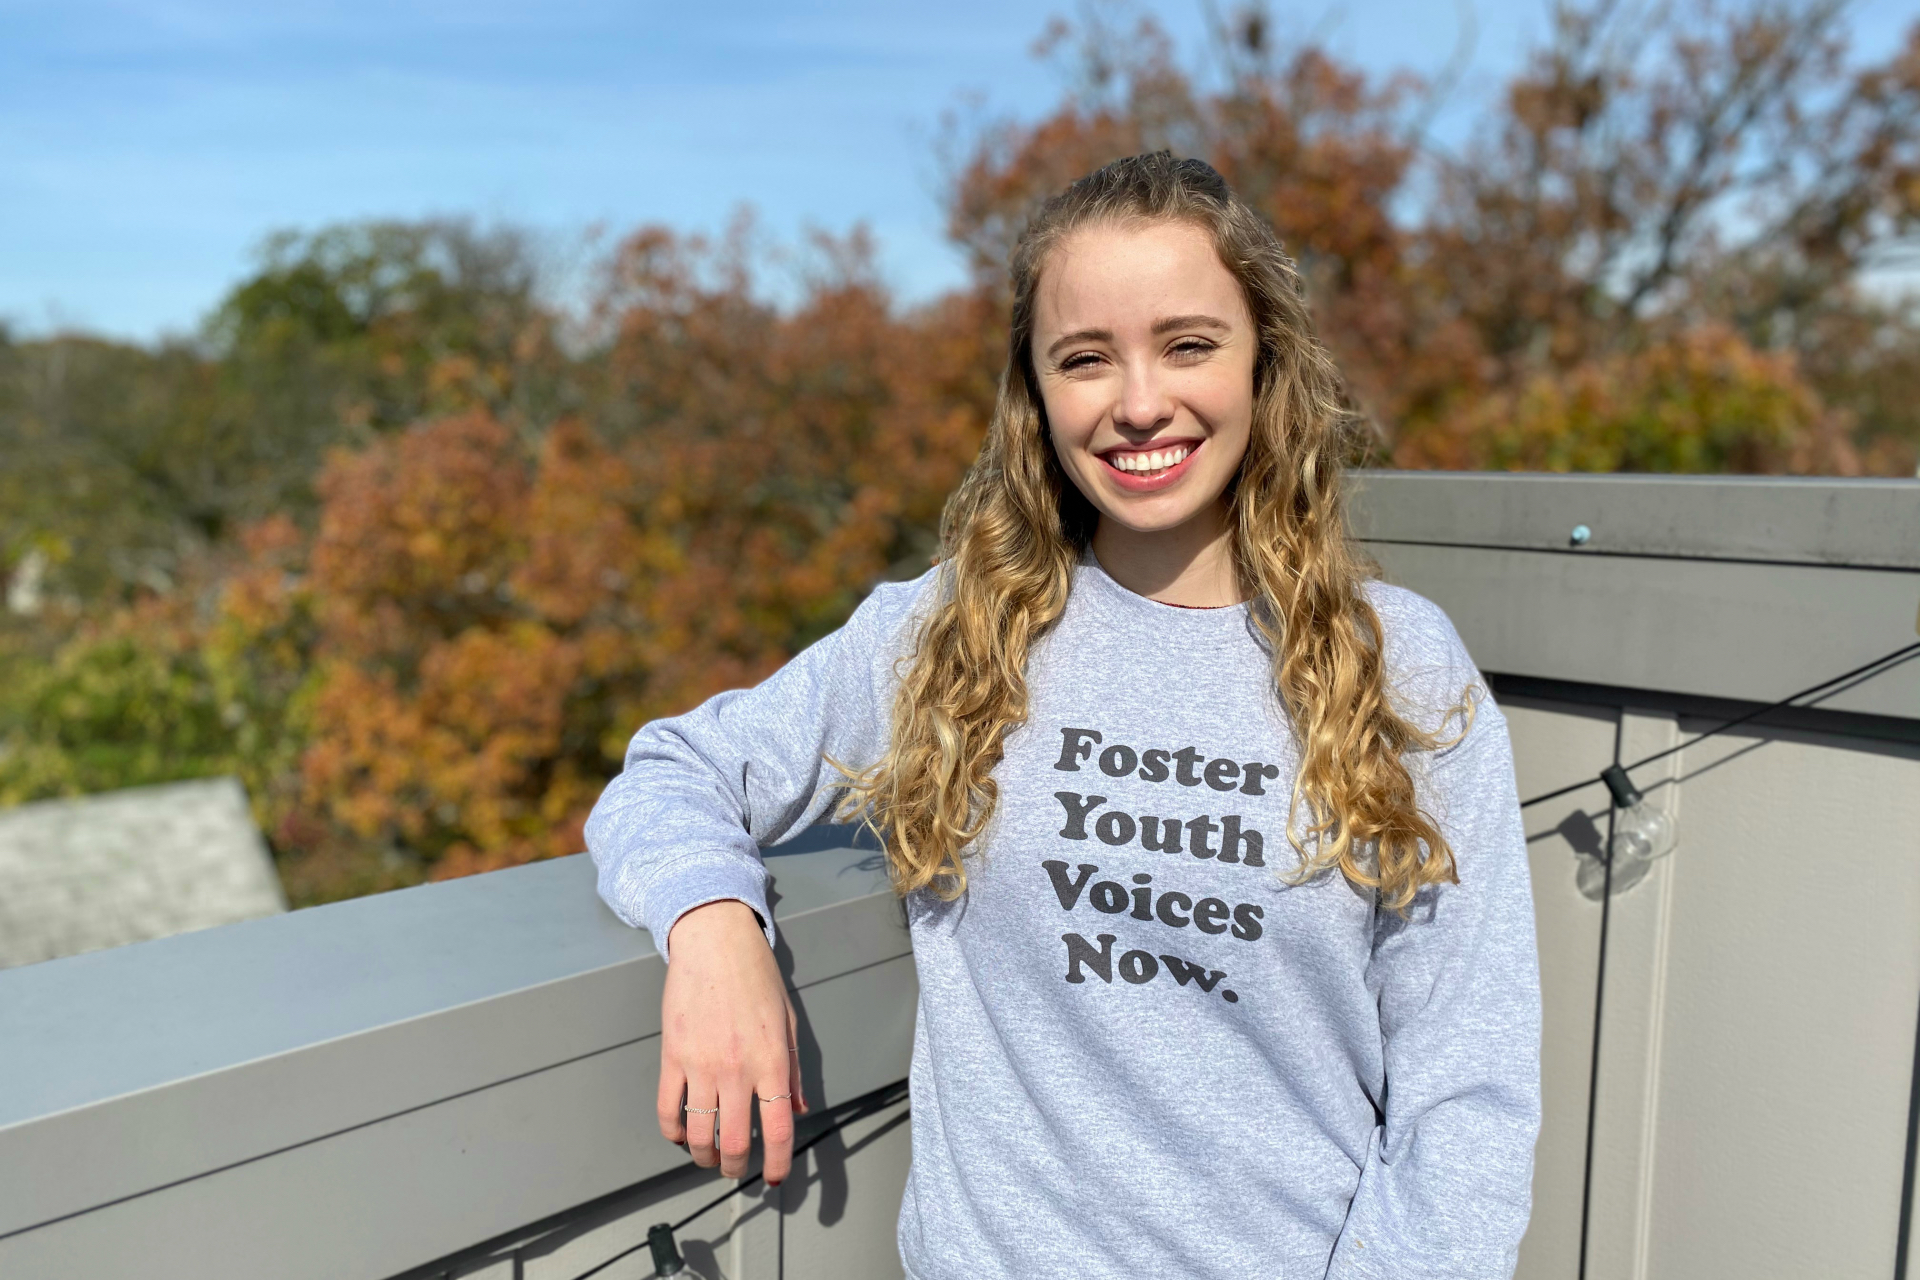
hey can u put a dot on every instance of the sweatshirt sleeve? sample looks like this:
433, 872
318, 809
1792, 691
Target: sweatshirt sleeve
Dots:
702, 793
1447, 1185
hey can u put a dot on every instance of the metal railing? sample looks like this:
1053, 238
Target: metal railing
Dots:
364, 1088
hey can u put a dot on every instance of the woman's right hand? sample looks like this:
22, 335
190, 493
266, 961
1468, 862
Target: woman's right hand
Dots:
727, 1036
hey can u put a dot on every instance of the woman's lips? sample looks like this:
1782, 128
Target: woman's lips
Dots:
1134, 482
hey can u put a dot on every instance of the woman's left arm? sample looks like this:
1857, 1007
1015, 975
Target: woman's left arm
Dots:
1448, 1181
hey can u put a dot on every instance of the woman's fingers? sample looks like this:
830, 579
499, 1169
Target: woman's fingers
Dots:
703, 1109
736, 1129
673, 1090
776, 1135
794, 1085
777, 1111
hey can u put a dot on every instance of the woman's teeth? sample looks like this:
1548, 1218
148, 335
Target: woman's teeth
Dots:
1157, 460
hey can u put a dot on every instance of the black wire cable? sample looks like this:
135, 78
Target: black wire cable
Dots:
747, 1183
1885, 662
1599, 995
862, 1109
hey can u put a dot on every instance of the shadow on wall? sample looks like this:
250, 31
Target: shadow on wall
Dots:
1588, 842
826, 835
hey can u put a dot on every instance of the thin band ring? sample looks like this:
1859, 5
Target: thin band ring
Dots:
778, 1097
701, 1111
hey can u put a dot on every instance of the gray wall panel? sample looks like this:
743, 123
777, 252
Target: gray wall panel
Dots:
588, 982
1720, 629
534, 972
815, 1227
1757, 1048
1551, 744
1789, 992
833, 1219
91, 1155
99, 1026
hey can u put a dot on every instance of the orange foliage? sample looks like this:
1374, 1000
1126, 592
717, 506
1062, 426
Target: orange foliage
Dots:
491, 618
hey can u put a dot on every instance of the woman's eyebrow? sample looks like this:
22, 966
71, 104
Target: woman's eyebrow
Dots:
1079, 335
1171, 323
1165, 325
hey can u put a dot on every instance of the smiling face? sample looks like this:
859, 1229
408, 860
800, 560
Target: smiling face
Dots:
1144, 352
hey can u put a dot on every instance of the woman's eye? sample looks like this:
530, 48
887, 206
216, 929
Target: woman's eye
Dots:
1084, 360
1191, 348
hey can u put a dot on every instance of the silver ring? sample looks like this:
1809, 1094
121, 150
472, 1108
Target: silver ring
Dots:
701, 1111
778, 1097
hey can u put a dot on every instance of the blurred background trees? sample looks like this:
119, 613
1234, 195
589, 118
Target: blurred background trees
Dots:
412, 534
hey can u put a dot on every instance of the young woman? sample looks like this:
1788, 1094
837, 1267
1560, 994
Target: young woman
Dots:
1209, 843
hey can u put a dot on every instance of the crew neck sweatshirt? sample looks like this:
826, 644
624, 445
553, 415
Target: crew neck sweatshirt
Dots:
1144, 1046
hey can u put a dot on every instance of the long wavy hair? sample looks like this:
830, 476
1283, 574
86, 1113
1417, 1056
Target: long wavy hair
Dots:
1013, 531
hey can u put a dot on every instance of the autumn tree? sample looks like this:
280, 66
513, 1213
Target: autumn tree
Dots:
492, 616
1696, 186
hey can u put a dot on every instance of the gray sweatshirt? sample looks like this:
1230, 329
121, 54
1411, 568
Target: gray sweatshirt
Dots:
1142, 1051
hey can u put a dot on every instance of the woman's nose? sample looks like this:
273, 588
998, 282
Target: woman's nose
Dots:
1144, 399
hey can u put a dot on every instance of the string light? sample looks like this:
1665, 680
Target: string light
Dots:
1867, 671
666, 1252
1640, 831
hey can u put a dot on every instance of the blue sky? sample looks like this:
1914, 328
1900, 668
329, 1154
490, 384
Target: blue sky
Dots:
146, 147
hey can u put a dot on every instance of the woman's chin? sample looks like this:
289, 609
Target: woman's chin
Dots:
1146, 518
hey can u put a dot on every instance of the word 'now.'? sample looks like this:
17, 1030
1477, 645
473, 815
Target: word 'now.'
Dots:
1137, 967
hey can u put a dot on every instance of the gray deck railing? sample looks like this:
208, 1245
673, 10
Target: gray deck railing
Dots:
359, 1089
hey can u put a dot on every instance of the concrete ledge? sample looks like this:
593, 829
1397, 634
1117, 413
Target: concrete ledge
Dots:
1775, 519
1744, 588
361, 1088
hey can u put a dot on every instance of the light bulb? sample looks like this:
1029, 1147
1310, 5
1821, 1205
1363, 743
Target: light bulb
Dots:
1640, 831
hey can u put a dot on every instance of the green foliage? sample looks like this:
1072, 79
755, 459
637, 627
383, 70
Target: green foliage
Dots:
1699, 401
109, 711
159, 693
373, 326
131, 460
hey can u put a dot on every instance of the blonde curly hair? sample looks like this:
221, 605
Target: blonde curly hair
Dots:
1015, 528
